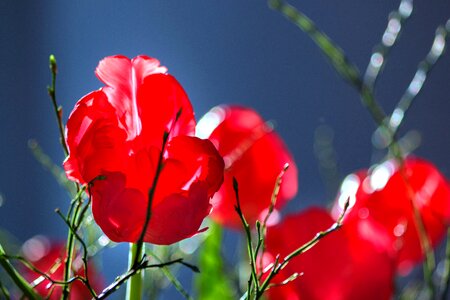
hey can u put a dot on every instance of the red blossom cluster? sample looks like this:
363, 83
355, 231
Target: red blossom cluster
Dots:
379, 237
138, 133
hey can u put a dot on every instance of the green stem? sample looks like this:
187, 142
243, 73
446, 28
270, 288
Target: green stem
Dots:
134, 284
23, 285
69, 254
176, 283
253, 280
58, 110
70, 237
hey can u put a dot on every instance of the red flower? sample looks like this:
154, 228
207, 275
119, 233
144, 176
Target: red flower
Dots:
49, 258
381, 209
340, 266
255, 155
118, 132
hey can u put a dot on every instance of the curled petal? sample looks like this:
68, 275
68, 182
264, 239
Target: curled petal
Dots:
144, 66
141, 92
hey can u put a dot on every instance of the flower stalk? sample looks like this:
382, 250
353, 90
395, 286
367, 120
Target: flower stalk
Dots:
134, 284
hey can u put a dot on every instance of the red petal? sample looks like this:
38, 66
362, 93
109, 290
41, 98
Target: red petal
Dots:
141, 93
96, 142
51, 263
144, 66
160, 99
119, 211
383, 202
178, 216
336, 268
189, 160
255, 155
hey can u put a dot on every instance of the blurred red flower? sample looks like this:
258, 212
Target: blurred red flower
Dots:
339, 267
118, 132
381, 211
49, 258
255, 155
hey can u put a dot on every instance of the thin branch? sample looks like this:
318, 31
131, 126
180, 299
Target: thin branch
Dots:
151, 192
85, 252
429, 263
254, 277
384, 138
4, 291
74, 222
284, 282
273, 201
143, 264
423, 70
58, 109
336, 57
276, 268
58, 112
49, 165
69, 247
21, 283
350, 74
176, 283
151, 195
393, 30
43, 274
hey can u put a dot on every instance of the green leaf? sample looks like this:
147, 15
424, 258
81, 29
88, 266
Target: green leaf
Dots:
212, 282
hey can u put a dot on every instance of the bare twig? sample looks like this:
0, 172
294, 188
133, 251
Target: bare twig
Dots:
277, 266
393, 30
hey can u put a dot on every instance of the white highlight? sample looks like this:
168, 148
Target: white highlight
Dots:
380, 176
376, 60
405, 9
417, 82
438, 45
349, 188
209, 122
36, 248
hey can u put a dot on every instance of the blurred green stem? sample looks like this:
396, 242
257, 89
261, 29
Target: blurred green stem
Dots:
21, 283
351, 74
165, 270
446, 273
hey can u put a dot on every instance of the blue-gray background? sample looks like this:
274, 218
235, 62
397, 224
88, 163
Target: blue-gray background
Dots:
221, 52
